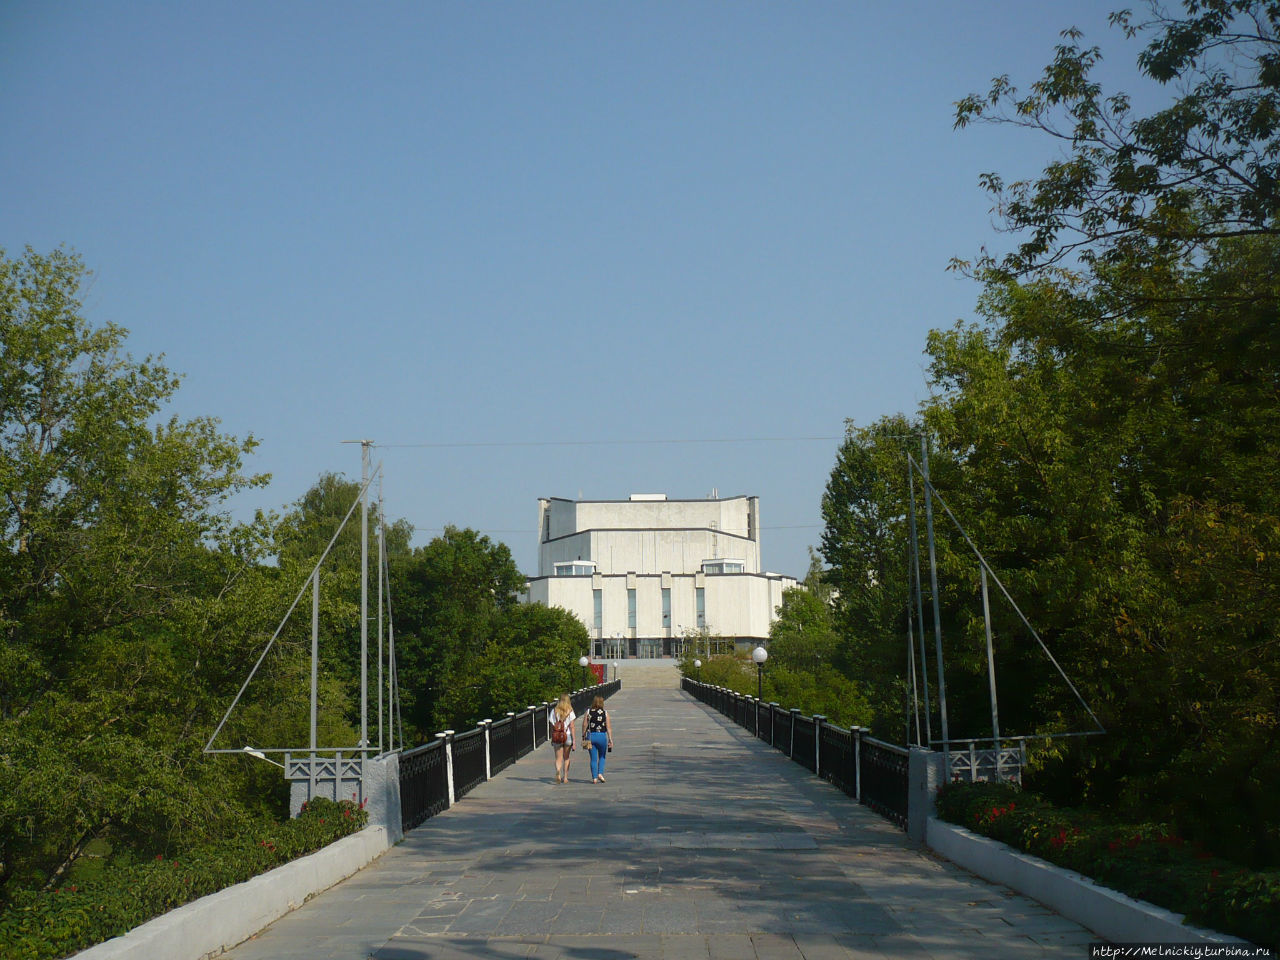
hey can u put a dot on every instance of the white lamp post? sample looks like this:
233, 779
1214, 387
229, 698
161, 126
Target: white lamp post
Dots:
759, 655
697, 665
582, 662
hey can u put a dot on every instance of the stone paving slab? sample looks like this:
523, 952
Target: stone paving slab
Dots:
703, 844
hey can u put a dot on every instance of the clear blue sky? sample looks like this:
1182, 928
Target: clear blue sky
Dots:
435, 223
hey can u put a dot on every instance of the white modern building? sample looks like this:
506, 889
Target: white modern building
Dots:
643, 573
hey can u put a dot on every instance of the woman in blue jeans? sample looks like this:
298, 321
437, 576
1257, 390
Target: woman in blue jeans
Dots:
597, 734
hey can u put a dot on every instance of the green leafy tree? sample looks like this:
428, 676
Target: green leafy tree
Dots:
805, 667
1104, 463
449, 595
300, 539
117, 551
531, 657
733, 671
1203, 168
1124, 415
305, 531
866, 542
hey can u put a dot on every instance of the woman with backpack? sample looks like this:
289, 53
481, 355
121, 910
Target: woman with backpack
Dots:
560, 734
597, 734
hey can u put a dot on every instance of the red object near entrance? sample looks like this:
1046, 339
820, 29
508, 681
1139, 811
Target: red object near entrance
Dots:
598, 670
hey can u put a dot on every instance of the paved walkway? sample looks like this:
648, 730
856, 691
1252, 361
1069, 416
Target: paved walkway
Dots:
704, 843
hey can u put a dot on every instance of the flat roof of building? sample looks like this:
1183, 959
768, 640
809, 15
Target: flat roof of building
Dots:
656, 498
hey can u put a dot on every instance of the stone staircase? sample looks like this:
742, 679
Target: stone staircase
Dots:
636, 674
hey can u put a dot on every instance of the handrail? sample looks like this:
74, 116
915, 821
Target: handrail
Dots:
872, 771
422, 748
885, 745
429, 784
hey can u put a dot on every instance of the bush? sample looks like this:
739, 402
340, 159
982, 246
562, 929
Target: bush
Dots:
44, 925
1146, 861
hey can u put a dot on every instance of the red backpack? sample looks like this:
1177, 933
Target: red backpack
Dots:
558, 733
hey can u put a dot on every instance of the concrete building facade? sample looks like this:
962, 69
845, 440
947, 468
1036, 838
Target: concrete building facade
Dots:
643, 573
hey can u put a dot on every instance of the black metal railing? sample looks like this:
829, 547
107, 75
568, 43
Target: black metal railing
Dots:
468, 762
884, 779
531, 730
836, 745
424, 783
502, 744
803, 735
781, 729
764, 714
439, 773
581, 699
870, 770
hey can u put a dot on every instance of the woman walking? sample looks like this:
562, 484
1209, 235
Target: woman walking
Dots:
560, 734
597, 734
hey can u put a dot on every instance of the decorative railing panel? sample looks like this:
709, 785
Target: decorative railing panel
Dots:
838, 758
531, 730
803, 735
468, 762
337, 767
781, 729
884, 779
502, 744
974, 764
424, 783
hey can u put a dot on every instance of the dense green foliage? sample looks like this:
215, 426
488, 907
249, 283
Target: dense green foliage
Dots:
132, 608
804, 669
47, 924
1128, 189
123, 593
467, 649
1108, 435
1146, 860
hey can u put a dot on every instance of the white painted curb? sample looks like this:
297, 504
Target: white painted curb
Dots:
1113, 916
212, 924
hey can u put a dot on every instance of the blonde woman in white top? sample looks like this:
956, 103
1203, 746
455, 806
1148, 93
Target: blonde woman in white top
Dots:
560, 724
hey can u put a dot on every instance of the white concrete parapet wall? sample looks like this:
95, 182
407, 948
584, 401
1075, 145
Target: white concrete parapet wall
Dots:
1111, 915
212, 924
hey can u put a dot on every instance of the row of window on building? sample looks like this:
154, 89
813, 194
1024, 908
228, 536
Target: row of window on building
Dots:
597, 602
585, 568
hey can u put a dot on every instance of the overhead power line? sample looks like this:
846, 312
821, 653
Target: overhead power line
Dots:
785, 526
600, 443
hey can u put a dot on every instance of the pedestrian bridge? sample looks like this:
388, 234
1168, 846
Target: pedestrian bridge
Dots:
704, 843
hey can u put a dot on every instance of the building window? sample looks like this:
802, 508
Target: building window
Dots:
631, 609
598, 603
666, 608
723, 566
575, 568
702, 607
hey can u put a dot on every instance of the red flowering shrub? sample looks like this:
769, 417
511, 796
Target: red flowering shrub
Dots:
1146, 861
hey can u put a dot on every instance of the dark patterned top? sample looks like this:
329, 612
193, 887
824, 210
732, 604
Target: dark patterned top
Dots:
595, 721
